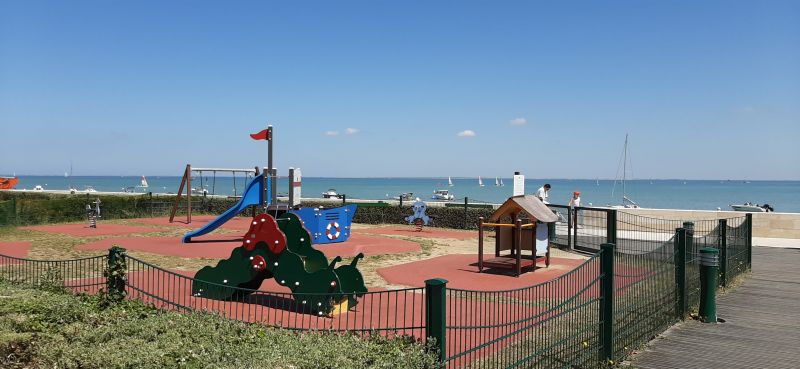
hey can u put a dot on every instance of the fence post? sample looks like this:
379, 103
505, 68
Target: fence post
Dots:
569, 225
115, 273
709, 262
607, 304
14, 210
435, 308
575, 231
680, 272
466, 205
749, 240
611, 226
722, 245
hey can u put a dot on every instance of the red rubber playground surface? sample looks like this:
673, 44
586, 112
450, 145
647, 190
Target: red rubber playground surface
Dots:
461, 271
82, 230
427, 232
217, 246
15, 249
235, 223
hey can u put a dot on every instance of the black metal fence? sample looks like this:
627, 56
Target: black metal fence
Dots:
393, 312
611, 304
552, 324
83, 275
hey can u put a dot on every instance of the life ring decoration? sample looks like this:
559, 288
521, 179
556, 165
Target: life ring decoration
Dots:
336, 231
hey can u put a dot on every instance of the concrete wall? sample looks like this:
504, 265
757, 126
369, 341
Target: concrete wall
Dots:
775, 225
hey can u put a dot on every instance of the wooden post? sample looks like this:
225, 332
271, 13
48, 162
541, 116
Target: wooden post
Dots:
517, 243
480, 244
180, 190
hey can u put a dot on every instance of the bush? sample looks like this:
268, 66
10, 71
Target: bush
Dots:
37, 208
46, 329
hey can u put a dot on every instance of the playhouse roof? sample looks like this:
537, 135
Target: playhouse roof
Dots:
527, 203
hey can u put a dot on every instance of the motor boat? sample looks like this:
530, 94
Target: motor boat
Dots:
443, 195
753, 207
38, 188
89, 189
406, 196
331, 194
198, 191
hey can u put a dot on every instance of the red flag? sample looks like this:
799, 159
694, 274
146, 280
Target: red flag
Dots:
263, 135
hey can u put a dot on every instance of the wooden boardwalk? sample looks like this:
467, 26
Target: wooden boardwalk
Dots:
762, 328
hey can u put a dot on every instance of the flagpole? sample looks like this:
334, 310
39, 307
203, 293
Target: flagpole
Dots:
269, 168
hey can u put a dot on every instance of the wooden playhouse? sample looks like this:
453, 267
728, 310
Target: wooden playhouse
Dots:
521, 227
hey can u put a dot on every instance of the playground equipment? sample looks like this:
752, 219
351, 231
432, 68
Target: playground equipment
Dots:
281, 249
93, 213
419, 218
516, 236
186, 182
326, 225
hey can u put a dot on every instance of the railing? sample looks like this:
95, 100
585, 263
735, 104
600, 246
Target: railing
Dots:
552, 324
734, 247
394, 312
594, 227
644, 293
562, 234
84, 275
612, 303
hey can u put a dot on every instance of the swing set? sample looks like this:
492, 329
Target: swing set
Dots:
186, 182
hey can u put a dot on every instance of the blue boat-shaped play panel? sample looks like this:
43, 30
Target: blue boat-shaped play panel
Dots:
328, 225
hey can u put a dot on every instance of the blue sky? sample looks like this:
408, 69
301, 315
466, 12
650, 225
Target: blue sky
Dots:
384, 88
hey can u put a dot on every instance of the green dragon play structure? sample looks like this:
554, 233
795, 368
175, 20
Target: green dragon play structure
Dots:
281, 249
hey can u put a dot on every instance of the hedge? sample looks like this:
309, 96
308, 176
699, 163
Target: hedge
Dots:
20, 208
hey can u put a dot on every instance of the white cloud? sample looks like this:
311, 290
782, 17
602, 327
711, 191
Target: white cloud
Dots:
466, 133
351, 131
331, 133
518, 122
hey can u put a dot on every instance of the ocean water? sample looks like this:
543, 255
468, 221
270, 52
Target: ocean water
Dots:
784, 196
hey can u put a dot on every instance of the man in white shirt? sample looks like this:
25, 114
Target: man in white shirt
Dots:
543, 193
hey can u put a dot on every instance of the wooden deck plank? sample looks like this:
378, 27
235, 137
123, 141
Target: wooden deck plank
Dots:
762, 328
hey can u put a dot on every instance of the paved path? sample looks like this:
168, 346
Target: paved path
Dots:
762, 328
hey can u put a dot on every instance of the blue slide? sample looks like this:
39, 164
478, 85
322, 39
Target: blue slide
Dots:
253, 195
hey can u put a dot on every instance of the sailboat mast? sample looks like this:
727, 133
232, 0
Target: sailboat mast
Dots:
624, 166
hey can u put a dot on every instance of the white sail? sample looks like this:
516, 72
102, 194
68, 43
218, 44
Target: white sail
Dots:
501, 182
480, 181
449, 182
144, 183
496, 181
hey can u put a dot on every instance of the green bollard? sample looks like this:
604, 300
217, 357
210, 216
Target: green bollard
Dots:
709, 266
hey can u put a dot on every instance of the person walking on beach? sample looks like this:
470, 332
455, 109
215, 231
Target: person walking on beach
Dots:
543, 193
574, 201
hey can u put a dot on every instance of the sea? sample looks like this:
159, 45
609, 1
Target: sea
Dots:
783, 196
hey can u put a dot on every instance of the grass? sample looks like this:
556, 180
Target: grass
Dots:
48, 328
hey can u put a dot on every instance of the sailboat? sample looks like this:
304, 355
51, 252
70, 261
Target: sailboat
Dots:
497, 181
449, 182
501, 182
143, 184
71, 187
480, 181
626, 202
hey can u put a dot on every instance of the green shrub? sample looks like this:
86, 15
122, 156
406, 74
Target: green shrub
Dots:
37, 208
47, 329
